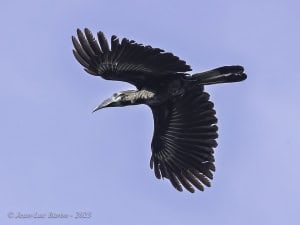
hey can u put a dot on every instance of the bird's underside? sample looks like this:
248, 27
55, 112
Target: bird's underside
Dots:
185, 129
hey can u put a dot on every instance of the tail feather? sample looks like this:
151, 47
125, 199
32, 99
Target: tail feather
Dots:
225, 74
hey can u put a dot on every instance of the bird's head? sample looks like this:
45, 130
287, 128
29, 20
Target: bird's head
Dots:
122, 98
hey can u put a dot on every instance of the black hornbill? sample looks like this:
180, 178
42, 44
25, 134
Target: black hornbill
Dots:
185, 129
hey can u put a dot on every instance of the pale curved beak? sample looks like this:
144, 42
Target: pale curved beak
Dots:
104, 104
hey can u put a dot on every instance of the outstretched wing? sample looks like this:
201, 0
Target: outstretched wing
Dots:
125, 61
185, 133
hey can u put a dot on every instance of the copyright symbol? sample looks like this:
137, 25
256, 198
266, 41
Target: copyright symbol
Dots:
10, 215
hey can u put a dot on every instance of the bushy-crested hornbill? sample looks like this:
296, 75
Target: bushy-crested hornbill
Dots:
185, 129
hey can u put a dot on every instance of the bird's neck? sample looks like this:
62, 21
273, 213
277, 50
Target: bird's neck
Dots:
140, 96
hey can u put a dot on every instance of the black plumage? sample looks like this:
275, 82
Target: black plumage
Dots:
185, 129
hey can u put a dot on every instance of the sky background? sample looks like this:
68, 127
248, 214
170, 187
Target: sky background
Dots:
56, 156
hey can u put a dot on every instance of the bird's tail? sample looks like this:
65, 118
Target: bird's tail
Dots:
225, 74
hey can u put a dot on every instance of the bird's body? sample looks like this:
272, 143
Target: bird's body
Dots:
185, 129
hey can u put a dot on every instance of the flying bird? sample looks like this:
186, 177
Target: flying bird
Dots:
185, 129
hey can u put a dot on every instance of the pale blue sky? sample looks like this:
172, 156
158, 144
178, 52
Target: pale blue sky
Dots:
56, 156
